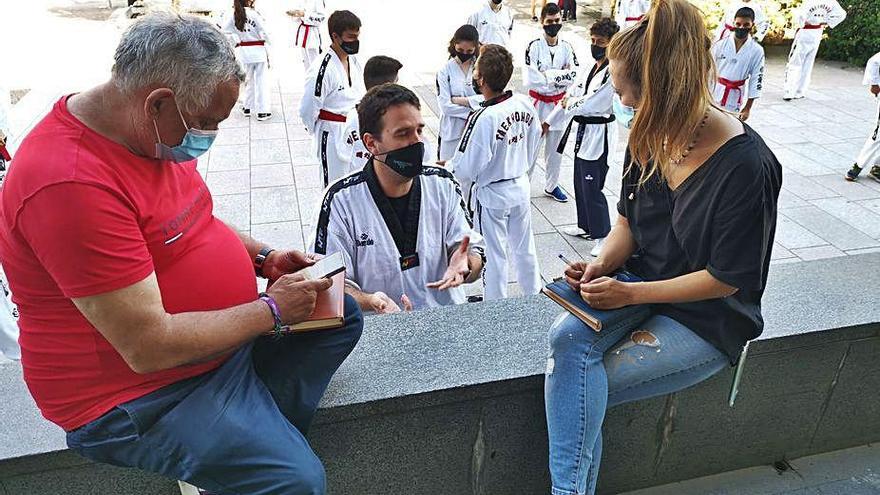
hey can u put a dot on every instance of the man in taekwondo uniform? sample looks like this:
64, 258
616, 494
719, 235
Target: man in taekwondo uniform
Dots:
739, 60
402, 227
811, 19
869, 156
494, 22
630, 12
333, 87
551, 68
499, 146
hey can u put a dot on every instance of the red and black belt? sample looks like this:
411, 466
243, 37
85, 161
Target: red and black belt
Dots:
251, 43
730, 86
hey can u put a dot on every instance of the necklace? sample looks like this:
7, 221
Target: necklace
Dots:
690, 147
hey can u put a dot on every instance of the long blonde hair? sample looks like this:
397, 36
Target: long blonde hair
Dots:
668, 57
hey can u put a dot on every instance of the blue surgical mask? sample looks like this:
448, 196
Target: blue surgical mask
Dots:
195, 143
622, 113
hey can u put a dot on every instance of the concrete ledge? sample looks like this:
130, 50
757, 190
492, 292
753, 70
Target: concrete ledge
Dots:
451, 401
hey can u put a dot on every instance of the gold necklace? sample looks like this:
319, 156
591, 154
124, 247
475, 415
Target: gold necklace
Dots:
697, 132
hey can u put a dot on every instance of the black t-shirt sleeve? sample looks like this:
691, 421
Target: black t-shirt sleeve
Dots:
626, 186
740, 229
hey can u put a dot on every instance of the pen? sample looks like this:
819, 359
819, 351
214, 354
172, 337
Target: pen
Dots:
564, 259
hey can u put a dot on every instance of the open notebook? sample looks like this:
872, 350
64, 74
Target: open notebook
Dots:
329, 310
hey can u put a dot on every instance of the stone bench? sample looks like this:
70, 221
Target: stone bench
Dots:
450, 401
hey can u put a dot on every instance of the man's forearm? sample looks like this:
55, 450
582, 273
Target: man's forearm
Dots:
475, 264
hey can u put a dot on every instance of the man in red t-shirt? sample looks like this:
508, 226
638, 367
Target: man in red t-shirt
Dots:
140, 319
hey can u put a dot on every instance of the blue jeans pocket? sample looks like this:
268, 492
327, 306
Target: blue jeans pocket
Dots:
101, 439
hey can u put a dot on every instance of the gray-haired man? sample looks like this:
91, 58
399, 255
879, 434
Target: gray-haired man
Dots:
140, 320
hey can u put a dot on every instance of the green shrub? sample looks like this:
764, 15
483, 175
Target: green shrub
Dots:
857, 38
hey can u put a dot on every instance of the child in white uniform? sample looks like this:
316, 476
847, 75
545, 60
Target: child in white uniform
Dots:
739, 61
246, 27
311, 15
456, 97
811, 19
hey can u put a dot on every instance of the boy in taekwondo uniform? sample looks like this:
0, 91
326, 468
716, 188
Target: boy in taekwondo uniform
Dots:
811, 19
726, 27
589, 104
377, 71
739, 60
402, 227
551, 68
870, 154
497, 150
311, 14
333, 87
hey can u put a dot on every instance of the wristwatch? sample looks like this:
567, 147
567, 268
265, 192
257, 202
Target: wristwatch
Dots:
259, 259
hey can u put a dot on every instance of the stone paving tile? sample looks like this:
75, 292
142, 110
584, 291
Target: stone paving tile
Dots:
266, 130
274, 204
540, 224
557, 213
788, 199
853, 252
549, 246
269, 151
830, 228
780, 252
272, 175
281, 235
308, 177
871, 204
302, 153
818, 253
798, 163
805, 188
234, 209
232, 135
309, 202
850, 190
230, 182
792, 235
231, 157
853, 214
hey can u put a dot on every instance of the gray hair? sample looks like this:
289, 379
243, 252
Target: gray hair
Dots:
183, 53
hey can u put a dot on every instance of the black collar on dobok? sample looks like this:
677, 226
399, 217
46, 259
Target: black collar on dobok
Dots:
498, 99
405, 236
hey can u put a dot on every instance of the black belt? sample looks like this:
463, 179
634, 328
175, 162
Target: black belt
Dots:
582, 121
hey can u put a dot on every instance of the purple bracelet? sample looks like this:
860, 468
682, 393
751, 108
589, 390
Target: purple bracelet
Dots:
276, 313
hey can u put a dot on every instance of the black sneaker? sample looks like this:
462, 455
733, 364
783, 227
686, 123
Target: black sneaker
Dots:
246, 112
264, 116
875, 173
535, 18
853, 173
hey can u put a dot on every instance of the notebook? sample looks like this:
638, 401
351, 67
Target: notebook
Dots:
562, 294
329, 310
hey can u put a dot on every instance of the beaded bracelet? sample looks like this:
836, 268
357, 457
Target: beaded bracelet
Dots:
278, 329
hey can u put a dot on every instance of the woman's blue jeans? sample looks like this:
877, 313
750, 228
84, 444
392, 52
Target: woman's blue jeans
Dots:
589, 371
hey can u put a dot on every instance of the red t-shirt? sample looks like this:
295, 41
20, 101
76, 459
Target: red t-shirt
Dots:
80, 215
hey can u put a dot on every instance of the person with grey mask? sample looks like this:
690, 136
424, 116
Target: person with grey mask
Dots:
140, 316
401, 225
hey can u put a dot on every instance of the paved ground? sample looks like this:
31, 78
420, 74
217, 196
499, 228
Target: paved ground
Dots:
845, 472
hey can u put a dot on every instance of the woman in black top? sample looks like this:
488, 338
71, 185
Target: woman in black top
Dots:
697, 217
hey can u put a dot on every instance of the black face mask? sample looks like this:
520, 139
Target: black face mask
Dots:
476, 86
351, 47
464, 57
742, 33
552, 29
598, 52
496, 2
406, 161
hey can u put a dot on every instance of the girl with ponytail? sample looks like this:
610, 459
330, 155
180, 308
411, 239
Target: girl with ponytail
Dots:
697, 218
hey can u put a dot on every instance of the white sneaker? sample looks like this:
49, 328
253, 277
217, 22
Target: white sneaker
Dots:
575, 232
597, 249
